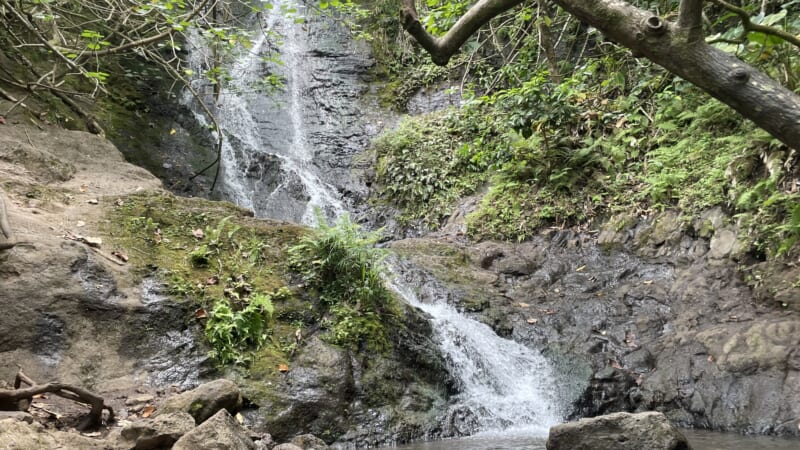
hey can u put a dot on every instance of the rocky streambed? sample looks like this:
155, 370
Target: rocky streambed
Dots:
640, 314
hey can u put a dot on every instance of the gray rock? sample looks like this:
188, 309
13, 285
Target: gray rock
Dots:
309, 442
22, 416
17, 435
162, 431
618, 431
287, 447
220, 432
205, 400
722, 243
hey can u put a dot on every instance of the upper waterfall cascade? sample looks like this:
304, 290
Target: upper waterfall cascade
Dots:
272, 163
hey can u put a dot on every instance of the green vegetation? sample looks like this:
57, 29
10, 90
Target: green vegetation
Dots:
565, 141
212, 255
234, 270
341, 265
425, 166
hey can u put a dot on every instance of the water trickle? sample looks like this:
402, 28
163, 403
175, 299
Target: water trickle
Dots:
266, 164
503, 385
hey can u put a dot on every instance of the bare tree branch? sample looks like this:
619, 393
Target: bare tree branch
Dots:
690, 19
757, 97
442, 49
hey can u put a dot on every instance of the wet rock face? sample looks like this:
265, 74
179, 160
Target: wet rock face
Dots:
647, 317
312, 127
70, 314
618, 431
360, 399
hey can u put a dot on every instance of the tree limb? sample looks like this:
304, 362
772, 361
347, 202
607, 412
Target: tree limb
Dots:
754, 95
747, 24
67, 391
443, 48
690, 19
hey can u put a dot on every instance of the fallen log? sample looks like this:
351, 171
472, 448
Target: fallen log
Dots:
19, 398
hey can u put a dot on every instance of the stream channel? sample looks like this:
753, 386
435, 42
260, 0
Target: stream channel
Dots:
290, 152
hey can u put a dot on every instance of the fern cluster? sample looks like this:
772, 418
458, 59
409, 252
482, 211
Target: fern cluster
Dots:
341, 264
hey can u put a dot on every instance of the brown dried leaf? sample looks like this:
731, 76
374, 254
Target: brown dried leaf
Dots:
200, 314
148, 411
283, 368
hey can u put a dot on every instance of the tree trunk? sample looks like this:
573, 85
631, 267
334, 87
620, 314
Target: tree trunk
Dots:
679, 48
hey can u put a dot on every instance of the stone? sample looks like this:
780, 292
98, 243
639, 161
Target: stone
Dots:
309, 442
205, 400
220, 432
722, 243
140, 399
618, 431
18, 435
22, 416
162, 431
287, 447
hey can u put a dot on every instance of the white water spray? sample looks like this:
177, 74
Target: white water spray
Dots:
244, 139
505, 385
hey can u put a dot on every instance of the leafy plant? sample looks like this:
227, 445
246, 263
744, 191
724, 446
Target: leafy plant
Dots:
233, 333
341, 264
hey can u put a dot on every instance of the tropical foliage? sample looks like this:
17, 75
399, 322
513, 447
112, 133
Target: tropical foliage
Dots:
342, 266
565, 134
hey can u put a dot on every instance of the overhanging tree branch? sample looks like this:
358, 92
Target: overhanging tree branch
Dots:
441, 49
690, 19
675, 47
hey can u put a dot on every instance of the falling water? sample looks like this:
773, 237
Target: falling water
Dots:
502, 384
268, 165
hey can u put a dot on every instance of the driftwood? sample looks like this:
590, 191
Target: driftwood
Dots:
19, 398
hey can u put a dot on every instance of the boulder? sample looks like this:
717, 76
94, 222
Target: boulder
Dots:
287, 447
309, 442
205, 400
22, 416
19, 435
618, 431
220, 432
162, 431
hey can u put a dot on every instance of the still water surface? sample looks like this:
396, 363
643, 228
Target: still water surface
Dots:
700, 440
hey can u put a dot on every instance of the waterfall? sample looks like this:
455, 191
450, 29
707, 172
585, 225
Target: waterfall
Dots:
502, 384
270, 163
266, 164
